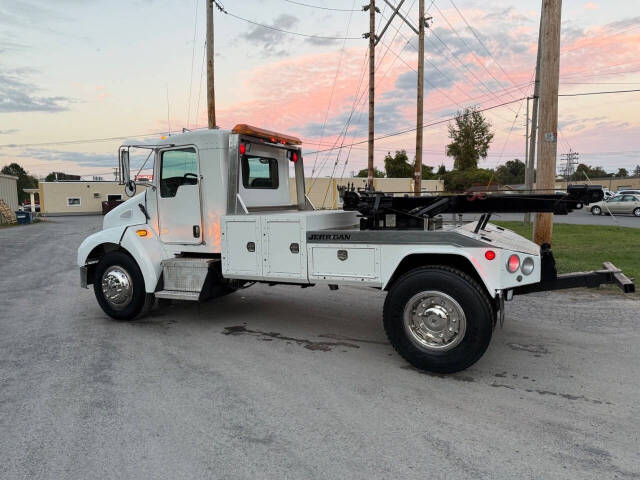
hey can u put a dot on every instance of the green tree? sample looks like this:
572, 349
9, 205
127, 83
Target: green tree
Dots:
24, 179
636, 171
442, 170
510, 173
622, 172
471, 135
583, 171
56, 176
364, 173
427, 172
398, 166
462, 180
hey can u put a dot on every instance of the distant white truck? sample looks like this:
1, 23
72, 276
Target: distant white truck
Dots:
217, 216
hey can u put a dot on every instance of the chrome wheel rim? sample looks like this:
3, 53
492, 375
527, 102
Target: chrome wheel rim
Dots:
434, 321
117, 287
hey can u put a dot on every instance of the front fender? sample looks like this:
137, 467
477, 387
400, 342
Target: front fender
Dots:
111, 235
148, 252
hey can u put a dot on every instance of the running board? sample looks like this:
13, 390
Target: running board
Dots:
176, 295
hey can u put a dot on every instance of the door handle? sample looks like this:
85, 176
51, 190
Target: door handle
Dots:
196, 231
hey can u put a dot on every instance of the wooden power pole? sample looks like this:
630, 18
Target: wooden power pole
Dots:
529, 171
211, 95
548, 130
417, 168
372, 88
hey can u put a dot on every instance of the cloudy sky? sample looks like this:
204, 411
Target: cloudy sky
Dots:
75, 75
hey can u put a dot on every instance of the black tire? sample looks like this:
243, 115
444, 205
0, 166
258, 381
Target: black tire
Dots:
140, 302
596, 210
470, 296
636, 212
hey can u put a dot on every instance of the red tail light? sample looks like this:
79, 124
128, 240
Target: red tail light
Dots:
294, 157
243, 148
513, 264
489, 254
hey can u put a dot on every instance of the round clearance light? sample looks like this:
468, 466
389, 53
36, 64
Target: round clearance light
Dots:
513, 263
490, 255
527, 266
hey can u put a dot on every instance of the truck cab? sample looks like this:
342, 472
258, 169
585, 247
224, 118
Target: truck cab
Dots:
218, 215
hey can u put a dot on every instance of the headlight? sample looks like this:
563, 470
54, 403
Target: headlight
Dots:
527, 266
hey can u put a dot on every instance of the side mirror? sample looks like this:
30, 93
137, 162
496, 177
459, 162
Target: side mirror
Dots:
125, 174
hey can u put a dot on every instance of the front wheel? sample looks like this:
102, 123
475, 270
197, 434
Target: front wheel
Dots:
119, 287
596, 211
438, 319
636, 212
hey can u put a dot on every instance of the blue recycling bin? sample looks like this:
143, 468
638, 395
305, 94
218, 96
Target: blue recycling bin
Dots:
23, 217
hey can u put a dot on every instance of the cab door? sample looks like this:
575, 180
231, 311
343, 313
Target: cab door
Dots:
179, 208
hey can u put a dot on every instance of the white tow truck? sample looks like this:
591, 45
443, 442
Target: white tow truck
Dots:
217, 217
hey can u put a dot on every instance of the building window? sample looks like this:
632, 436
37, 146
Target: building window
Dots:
113, 198
259, 172
73, 202
96, 195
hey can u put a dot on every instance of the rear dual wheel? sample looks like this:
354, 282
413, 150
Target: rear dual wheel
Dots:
438, 318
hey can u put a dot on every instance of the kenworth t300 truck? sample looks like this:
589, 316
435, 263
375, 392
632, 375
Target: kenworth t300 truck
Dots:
217, 217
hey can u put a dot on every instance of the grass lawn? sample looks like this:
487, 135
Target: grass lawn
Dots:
578, 248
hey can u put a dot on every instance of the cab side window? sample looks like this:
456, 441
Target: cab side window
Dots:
178, 167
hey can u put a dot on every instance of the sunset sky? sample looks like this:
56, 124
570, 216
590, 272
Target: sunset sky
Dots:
73, 71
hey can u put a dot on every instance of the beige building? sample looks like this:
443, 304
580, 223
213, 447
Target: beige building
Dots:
323, 192
78, 197
85, 198
612, 183
9, 190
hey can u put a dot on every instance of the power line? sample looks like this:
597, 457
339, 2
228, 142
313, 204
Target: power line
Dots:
322, 8
481, 42
426, 125
335, 79
597, 93
270, 27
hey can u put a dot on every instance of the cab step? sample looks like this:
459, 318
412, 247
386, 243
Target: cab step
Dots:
175, 295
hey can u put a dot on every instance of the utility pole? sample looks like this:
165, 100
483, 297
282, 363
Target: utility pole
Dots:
211, 96
529, 171
372, 88
417, 168
548, 131
422, 23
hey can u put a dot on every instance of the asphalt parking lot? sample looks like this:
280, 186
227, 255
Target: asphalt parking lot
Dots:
282, 382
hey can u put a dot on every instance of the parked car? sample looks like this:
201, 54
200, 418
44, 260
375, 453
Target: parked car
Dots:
628, 192
26, 206
618, 204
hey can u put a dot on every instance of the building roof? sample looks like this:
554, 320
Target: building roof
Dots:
4, 175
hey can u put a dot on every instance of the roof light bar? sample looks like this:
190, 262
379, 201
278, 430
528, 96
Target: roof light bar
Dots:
272, 137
